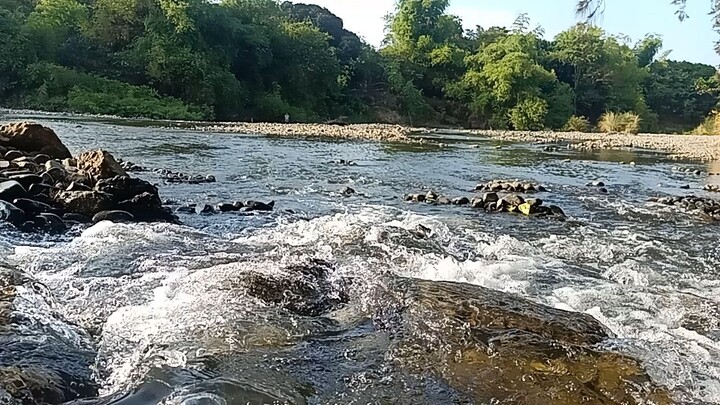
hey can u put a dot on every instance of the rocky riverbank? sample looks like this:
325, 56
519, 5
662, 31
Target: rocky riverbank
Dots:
43, 188
375, 132
706, 148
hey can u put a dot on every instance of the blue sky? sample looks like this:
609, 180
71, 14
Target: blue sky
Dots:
690, 40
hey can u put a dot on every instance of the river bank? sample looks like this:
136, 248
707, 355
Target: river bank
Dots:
375, 132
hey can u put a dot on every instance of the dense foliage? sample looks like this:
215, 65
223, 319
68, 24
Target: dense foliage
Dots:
260, 59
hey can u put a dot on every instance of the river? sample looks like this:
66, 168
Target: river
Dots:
168, 293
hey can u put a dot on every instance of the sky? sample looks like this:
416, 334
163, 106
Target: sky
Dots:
691, 40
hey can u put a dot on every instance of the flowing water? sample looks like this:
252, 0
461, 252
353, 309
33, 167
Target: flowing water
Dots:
151, 301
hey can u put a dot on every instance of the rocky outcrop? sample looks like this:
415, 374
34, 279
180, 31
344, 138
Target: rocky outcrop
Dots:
33, 138
512, 186
99, 164
707, 207
45, 191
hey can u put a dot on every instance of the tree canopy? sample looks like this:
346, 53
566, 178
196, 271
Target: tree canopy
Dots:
261, 59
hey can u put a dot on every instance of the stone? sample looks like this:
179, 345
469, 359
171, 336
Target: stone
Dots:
26, 179
69, 163
41, 158
55, 174
513, 199
347, 192
258, 206
79, 218
13, 154
685, 187
555, 210
87, 203
207, 209
75, 186
100, 164
526, 209
535, 202
442, 200
238, 205
477, 202
11, 189
186, 209
39, 188
597, 183
10, 213
26, 165
431, 195
123, 188
31, 207
528, 187
490, 197
113, 216
602, 190
50, 223
147, 207
210, 178
461, 201
226, 207
33, 138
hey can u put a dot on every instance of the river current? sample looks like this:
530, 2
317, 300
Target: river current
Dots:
156, 297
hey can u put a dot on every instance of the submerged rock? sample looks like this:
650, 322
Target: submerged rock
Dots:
258, 206
501, 348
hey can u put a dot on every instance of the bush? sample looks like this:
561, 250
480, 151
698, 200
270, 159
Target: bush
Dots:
627, 122
711, 126
529, 114
577, 124
56, 88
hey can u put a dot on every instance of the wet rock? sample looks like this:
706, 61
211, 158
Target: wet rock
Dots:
512, 199
11, 189
114, 216
75, 186
557, 211
502, 348
685, 187
596, 183
347, 192
534, 202
603, 190
41, 158
421, 231
207, 209
239, 205
511, 186
100, 164
415, 197
79, 218
33, 138
87, 203
477, 202
461, 201
26, 179
147, 207
442, 200
130, 166
32, 208
258, 206
10, 213
69, 163
490, 198
186, 209
50, 222
123, 188
303, 289
226, 207
13, 154
39, 188
431, 196
4, 164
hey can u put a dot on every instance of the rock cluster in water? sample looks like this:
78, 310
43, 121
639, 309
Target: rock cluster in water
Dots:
43, 188
238, 206
515, 186
691, 203
493, 202
715, 188
179, 177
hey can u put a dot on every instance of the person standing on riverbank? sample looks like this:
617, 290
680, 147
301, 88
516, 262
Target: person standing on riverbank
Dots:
287, 118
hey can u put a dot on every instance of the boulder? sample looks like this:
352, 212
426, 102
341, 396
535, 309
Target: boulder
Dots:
33, 138
259, 206
39, 188
442, 200
461, 201
123, 188
114, 216
100, 164
87, 203
50, 222
347, 191
41, 159
147, 207
79, 218
207, 209
226, 207
490, 198
31, 207
11, 189
11, 155
11, 213
26, 180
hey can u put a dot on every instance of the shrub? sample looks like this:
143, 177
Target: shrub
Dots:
577, 124
529, 114
711, 126
627, 122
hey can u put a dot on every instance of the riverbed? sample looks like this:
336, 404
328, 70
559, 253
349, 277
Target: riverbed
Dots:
647, 272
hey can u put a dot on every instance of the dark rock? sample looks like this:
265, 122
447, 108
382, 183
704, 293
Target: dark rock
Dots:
226, 207
71, 216
513, 199
210, 178
596, 183
491, 206
50, 223
114, 216
186, 209
415, 197
259, 206
347, 192
11, 213
431, 196
75, 186
11, 189
555, 210
207, 209
26, 179
124, 188
490, 198
303, 289
32, 208
477, 202
13, 154
421, 231
87, 203
602, 190
461, 201
33, 138
697, 172
56, 174
528, 187
41, 158
238, 205
39, 188
534, 202
685, 187
147, 207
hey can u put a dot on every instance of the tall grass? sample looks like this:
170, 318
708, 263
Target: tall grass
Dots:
577, 124
626, 122
711, 126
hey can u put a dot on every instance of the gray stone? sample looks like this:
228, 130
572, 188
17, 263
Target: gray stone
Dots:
11, 189
114, 216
